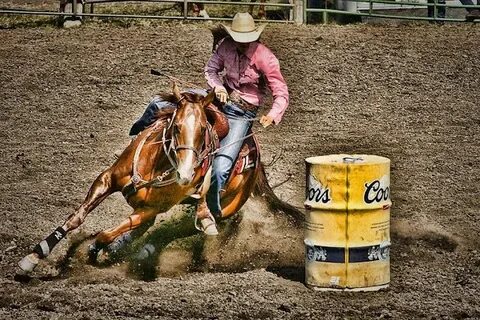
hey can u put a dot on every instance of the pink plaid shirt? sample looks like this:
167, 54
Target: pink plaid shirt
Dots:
242, 74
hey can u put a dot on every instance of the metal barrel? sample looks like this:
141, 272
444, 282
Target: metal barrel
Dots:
347, 224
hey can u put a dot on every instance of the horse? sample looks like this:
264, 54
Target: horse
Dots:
166, 163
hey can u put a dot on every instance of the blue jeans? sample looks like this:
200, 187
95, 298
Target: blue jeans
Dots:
239, 122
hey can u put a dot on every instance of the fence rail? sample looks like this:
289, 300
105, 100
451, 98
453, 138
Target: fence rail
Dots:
369, 12
298, 10
185, 16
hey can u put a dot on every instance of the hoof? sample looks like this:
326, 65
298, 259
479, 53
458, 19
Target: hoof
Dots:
93, 251
208, 226
146, 252
28, 263
207, 220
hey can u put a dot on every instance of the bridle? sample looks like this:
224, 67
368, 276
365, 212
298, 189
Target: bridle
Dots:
172, 150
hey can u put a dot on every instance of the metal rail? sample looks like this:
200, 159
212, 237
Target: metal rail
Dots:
299, 8
126, 16
266, 4
185, 3
370, 13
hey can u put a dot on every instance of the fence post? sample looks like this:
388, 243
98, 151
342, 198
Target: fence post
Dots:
298, 11
74, 9
185, 9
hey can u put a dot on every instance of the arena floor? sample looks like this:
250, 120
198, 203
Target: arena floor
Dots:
408, 92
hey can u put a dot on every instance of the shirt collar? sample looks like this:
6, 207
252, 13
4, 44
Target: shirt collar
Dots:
250, 51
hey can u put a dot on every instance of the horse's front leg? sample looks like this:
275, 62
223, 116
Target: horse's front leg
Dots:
100, 189
106, 237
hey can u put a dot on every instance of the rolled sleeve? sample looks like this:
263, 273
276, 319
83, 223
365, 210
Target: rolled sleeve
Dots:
271, 69
213, 68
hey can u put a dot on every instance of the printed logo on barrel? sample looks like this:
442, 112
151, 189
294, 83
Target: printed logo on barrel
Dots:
377, 191
316, 192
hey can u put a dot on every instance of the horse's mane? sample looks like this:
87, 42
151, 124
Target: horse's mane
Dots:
164, 113
170, 97
189, 96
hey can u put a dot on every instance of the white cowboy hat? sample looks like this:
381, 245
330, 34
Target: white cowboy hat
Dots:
243, 28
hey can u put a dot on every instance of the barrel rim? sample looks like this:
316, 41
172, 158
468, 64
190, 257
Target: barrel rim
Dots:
340, 159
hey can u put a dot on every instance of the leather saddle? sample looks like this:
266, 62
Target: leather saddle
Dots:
218, 120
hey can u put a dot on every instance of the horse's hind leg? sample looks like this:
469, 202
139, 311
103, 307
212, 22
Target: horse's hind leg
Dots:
100, 189
105, 237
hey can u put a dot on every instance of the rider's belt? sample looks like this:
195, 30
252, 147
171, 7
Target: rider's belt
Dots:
244, 105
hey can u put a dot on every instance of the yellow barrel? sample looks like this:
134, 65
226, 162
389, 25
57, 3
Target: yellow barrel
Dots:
347, 229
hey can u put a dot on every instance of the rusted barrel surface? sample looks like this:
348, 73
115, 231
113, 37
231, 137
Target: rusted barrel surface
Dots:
347, 229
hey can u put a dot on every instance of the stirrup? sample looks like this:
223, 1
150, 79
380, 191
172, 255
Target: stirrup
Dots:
207, 225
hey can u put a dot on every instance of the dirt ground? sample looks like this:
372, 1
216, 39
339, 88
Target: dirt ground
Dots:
408, 92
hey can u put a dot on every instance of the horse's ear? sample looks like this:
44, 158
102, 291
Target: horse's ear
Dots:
209, 98
176, 91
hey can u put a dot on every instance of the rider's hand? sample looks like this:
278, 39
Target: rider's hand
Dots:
221, 94
266, 121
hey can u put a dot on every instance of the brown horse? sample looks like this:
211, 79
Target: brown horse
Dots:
166, 163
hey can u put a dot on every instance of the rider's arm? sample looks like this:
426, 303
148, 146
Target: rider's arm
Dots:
270, 67
214, 66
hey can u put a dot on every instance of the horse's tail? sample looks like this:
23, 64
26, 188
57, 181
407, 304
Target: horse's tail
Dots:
263, 189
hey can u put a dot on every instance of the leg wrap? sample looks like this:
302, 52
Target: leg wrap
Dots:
146, 252
120, 242
44, 248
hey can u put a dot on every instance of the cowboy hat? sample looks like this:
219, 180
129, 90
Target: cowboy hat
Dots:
243, 28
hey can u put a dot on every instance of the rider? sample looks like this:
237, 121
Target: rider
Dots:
248, 66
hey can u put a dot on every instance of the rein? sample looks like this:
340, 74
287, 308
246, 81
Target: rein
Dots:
236, 141
137, 181
171, 150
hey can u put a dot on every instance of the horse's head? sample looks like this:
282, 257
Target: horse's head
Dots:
189, 127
